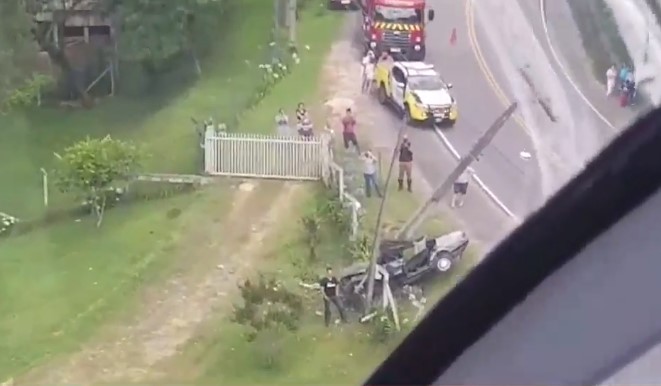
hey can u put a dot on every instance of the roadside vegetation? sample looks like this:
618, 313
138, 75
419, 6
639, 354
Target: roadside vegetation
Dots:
227, 352
600, 35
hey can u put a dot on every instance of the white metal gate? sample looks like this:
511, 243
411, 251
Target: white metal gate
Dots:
266, 156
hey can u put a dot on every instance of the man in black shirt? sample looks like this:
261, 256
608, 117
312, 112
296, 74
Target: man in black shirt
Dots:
405, 164
329, 290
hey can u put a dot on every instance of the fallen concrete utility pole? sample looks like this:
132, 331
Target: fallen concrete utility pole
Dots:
418, 217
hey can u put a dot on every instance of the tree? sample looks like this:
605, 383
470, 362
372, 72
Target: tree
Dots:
89, 169
19, 82
154, 31
50, 37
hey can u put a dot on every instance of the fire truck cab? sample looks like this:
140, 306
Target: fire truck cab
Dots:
396, 26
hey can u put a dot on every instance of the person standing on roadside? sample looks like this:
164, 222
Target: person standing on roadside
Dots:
349, 131
368, 72
369, 173
622, 76
611, 79
329, 290
405, 164
460, 188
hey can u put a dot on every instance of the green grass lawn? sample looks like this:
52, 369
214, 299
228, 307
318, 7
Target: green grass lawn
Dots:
59, 284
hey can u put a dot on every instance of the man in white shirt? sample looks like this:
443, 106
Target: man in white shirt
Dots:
611, 77
367, 72
369, 173
460, 188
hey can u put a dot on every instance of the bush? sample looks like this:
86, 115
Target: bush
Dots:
334, 212
361, 249
312, 234
382, 328
267, 304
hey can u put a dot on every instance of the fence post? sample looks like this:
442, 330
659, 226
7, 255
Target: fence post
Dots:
209, 150
44, 179
325, 158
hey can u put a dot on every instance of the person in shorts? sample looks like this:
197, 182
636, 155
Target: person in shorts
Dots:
349, 131
460, 188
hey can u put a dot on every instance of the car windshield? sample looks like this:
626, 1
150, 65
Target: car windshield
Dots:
397, 15
426, 83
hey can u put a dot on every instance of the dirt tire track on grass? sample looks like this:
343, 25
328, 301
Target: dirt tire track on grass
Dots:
172, 312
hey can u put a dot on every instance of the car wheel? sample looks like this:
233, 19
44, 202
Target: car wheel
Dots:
382, 95
443, 262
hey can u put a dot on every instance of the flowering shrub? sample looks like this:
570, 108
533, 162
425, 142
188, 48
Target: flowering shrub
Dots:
7, 222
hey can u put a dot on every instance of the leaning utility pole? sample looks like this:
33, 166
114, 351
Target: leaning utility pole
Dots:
418, 217
371, 273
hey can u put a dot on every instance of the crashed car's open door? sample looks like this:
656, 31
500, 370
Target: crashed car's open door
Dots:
570, 298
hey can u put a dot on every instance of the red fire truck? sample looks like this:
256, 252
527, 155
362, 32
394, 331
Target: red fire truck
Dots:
397, 26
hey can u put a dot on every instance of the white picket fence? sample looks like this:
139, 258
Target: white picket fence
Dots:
266, 156
277, 157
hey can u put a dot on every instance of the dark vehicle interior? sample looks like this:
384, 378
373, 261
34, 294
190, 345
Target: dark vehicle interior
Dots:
577, 288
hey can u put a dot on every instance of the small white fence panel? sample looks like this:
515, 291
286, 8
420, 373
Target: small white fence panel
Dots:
265, 156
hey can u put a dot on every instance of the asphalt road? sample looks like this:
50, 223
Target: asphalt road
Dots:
514, 181
480, 68
484, 69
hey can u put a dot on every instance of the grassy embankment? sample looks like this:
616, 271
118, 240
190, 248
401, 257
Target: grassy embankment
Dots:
343, 354
61, 282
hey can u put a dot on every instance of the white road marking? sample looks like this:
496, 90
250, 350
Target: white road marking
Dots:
565, 73
492, 196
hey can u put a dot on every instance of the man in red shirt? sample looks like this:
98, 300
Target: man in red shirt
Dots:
349, 131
